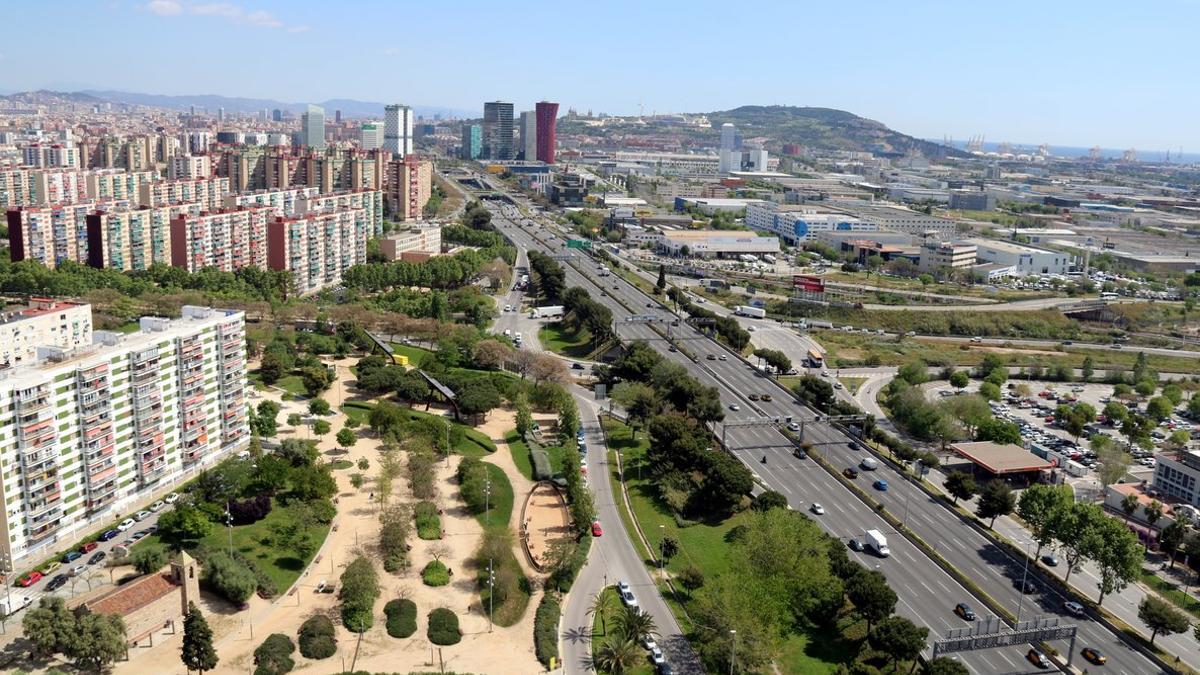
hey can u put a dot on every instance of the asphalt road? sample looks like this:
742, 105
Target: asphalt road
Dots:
915, 578
961, 545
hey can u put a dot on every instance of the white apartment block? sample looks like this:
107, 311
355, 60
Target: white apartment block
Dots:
209, 192
318, 248
798, 224
282, 201
116, 184
133, 239
53, 155
44, 323
227, 240
370, 201
95, 432
189, 167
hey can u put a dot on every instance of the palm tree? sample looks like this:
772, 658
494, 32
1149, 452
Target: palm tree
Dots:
618, 656
1154, 512
600, 607
634, 624
1129, 504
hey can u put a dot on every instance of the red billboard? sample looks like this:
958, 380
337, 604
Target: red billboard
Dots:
808, 284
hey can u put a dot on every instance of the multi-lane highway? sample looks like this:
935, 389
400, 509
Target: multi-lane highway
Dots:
927, 593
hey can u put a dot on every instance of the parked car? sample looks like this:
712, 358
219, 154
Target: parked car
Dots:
57, 582
171, 498
126, 524
1050, 560
89, 547
626, 594
97, 557
71, 556
110, 534
29, 579
158, 506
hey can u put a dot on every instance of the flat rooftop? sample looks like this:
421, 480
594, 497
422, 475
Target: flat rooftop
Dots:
1001, 459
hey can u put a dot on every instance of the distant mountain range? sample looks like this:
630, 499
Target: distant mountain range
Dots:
825, 128
211, 102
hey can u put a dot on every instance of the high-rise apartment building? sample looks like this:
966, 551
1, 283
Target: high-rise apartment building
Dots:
189, 167
133, 239
409, 185
53, 155
95, 431
731, 138
312, 127
527, 130
398, 129
317, 248
498, 130
472, 142
370, 137
226, 240
547, 138
276, 115
209, 192
51, 234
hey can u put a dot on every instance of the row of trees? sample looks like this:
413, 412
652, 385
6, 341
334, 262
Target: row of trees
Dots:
726, 327
440, 272
548, 280
1081, 532
582, 312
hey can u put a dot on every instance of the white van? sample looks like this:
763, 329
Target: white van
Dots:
869, 463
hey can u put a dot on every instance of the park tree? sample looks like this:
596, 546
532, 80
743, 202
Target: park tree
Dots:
1075, 528
872, 597
691, 578
899, 638
99, 640
995, 500
1088, 369
960, 379
50, 627
639, 401
961, 485
198, 653
346, 437
1161, 617
149, 558
264, 420
814, 391
316, 379
769, 499
1171, 538
668, 548
321, 427
319, 406
183, 523
944, 665
990, 391
1115, 551
998, 431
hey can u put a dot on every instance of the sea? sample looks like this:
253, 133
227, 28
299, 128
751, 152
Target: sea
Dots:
1155, 156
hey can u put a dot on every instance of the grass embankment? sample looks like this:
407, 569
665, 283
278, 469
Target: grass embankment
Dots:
849, 350
1171, 592
474, 443
495, 520
852, 383
703, 545
292, 384
281, 565
560, 339
415, 354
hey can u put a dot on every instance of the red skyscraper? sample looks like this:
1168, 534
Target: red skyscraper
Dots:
547, 117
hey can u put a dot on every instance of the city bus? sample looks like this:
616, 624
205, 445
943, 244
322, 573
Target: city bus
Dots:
815, 360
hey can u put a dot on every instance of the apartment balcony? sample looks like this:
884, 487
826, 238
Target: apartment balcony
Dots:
35, 484
149, 422
44, 507
153, 474
41, 436
102, 474
99, 501
37, 404
152, 454
92, 398
46, 528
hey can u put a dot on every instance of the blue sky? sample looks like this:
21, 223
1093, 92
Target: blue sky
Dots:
1115, 74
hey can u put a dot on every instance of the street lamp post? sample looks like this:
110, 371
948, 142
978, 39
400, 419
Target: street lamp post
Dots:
487, 497
1024, 574
229, 526
491, 593
662, 536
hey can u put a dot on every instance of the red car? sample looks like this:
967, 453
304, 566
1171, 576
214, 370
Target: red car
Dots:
596, 529
29, 579
89, 547
1049, 418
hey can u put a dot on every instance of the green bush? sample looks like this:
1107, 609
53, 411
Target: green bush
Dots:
274, 655
443, 627
545, 629
401, 617
435, 574
360, 587
429, 523
230, 578
316, 638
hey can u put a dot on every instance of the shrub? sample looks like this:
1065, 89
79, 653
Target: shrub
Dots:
472, 477
545, 629
435, 574
429, 524
360, 587
230, 578
274, 655
149, 558
401, 618
393, 538
316, 638
250, 510
443, 627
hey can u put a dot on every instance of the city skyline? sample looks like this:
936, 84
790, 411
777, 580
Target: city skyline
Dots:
1032, 74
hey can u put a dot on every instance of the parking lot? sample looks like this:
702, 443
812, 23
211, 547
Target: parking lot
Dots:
1034, 414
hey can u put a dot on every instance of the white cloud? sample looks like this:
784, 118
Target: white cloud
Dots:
232, 13
164, 7
391, 51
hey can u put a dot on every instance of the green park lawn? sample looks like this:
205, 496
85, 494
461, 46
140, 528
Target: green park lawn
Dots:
524, 460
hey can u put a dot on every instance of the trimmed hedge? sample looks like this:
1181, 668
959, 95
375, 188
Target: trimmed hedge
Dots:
435, 574
316, 638
429, 523
545, 629
401, 617
274, 655
443, 627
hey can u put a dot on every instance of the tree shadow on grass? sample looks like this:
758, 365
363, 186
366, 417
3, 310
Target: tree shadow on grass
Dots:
289, 563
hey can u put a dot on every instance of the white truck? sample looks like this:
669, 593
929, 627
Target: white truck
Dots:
878, 543
547, 312
747, 310
19, 602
